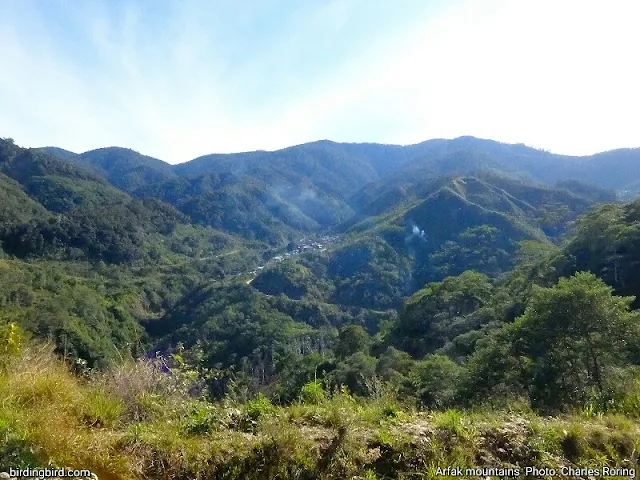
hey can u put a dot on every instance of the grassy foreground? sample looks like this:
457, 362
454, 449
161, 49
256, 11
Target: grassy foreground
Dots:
136, 422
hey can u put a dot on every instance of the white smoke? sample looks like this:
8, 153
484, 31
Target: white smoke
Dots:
417, 232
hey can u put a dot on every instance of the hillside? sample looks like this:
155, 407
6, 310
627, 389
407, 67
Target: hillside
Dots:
324, 311
248, 207
77, 255
445, 226
316, 186
15, 205
102, 427
126, 169
614, 170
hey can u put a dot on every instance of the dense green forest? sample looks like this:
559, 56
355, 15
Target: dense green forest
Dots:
319, 311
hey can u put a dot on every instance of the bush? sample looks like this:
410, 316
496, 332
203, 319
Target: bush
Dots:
259, 407
313, 393
435, 380
253, 411
144, 384
14, 451
205, 418
11, 339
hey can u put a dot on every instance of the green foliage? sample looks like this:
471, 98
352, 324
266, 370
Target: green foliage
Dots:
368, 273
435, 379
394, 366
11, 340
102, 410
15, 451
126, 169
16, 207
114, 256
575, 334
606, 244
441, 311
75, 312
355, 372
288, 278
493, 373
205, 418
476, 248
256, 409
567, 346
62, 194
352, 339
313, 393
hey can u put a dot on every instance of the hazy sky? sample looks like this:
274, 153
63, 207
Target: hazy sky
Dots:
181, 78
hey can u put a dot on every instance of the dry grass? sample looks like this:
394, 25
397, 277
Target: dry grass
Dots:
136, 423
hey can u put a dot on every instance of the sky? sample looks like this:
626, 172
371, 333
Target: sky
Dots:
176, 79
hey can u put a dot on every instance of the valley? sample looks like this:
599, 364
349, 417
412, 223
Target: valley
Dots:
354, 294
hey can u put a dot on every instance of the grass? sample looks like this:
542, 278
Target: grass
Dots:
131, 423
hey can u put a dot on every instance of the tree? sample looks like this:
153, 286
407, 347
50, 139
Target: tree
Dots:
394, 367
441, 311
607, 244
435, 380
574, 335
355, 372
352, 339
483, 248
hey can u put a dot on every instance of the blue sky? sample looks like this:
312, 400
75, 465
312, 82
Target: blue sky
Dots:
182, 78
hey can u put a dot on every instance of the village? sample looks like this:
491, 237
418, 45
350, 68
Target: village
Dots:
318, 243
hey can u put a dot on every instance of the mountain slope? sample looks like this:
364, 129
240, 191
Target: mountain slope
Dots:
93, 219
60, 153
444, 228
338, 168
122, 167
612, 170
315, 186
15, 205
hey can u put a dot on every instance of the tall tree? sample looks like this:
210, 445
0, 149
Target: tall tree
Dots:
572, 339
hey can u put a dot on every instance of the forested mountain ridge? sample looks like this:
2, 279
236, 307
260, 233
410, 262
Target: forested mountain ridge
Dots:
269, 196
359, 163
66, 210
66, 235
335, 289
122, 167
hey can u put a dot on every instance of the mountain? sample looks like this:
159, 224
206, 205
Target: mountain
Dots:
339, 168
431, 232
122, 167
404, 215
251, 207
410, 214
60, 153
56, 208
304, 187
274, 196
57, 184
324, 160
262, 307
15, 205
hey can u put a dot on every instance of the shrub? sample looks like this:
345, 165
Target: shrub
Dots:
313, 393
14, 451
11, 340
205, 418
259, 407
143, 384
